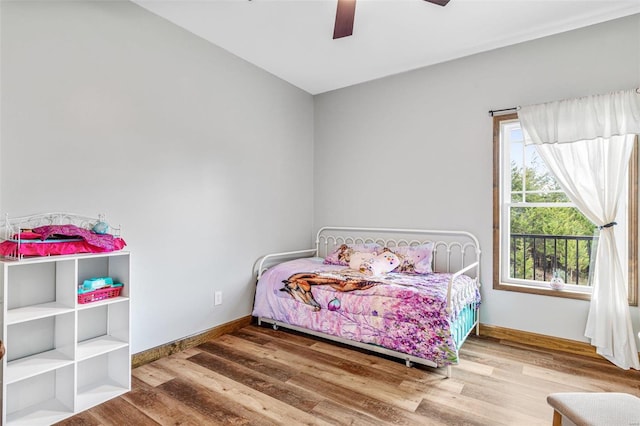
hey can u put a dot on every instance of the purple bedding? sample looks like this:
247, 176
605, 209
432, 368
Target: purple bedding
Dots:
402, 312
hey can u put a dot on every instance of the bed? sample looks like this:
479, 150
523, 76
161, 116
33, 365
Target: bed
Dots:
413, 294
49, 234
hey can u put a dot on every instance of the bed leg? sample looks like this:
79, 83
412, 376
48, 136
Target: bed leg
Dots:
274, 326
448, 371
408, 363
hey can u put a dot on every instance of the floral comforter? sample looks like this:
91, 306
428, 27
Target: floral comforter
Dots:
402, 312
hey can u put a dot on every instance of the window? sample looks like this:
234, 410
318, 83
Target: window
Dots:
538, 231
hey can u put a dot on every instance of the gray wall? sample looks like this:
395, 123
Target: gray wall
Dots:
204, 159
415, 150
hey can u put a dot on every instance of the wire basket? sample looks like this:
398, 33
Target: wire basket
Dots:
100, 294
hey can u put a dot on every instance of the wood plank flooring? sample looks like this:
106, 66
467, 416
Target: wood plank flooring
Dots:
258, 376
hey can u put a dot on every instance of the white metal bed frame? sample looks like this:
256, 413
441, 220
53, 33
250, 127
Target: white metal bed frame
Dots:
13, 226
456, 252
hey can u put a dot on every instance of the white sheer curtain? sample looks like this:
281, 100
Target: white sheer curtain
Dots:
587, 143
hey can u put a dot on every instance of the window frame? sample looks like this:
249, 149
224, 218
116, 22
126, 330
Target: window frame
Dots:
632, 227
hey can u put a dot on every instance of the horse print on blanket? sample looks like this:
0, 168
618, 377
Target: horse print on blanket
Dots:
299, 285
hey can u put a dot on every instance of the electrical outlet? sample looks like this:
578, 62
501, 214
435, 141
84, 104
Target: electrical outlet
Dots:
217, 298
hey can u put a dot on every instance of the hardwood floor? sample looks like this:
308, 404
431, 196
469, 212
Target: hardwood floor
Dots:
258, 376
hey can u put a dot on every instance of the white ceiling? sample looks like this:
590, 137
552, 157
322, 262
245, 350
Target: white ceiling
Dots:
292, 39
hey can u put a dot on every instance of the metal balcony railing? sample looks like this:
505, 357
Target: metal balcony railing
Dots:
536, 257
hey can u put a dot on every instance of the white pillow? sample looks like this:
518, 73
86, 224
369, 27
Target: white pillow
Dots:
380, 264
358, 258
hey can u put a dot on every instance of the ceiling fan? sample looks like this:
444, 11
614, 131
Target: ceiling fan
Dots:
346, 11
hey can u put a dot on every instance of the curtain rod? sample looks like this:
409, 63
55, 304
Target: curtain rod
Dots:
495, 111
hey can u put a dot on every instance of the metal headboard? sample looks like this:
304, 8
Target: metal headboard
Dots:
452, 250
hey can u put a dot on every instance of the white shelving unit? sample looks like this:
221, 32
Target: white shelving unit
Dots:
62, 357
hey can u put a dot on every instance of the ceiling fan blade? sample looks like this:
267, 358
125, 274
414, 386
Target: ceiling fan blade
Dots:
344, 18
439, 2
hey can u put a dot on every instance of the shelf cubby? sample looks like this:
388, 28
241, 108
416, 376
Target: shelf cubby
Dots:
39, 284
102, 377
102, 329
38, 346
42, 399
